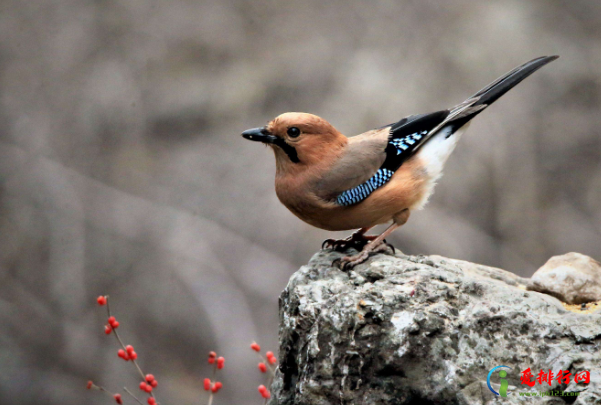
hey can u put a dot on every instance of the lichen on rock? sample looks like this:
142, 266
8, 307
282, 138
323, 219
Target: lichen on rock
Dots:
425, 330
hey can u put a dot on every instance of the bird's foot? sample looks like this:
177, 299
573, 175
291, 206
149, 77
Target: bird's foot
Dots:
356, 241
348, 262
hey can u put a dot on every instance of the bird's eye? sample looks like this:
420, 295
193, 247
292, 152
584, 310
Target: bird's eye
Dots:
293, 132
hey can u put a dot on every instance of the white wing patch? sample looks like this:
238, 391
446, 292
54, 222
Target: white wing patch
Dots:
434, 154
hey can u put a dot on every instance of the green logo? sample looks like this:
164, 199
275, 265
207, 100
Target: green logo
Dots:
504, 383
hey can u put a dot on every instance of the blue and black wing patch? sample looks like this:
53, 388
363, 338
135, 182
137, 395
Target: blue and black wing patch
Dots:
359, 193
405, 137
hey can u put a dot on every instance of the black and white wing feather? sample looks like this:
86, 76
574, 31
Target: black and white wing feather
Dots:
407, 135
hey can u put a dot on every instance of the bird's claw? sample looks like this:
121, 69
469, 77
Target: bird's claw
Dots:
348, 262
356, 241
328, 243
338, 245
384, 248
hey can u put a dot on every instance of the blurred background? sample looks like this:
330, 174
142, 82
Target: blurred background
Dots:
122, 169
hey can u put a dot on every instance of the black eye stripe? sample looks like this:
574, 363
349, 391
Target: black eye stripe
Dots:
289, 150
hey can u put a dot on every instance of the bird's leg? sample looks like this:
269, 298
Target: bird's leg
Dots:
357, 240
376, 245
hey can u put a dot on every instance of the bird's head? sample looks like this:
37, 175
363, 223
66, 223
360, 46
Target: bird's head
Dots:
299, 140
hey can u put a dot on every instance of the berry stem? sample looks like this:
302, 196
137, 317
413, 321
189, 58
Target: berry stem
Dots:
101, 388
108, 310
212, 382
266, 362
132, 395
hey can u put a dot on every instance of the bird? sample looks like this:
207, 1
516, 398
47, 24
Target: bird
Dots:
337, 183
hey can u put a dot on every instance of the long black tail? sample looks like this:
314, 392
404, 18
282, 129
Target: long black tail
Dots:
461, 114
464, 112
503, 84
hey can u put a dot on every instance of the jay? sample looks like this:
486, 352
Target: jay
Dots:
339, 183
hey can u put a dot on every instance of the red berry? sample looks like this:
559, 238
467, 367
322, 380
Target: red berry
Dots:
115, 325
129, 349
148, 388
133, 355
264, 391
101, 300
118, 398
111, 320
212, 356
154, 383
255, 347
262, 367
207, 384
149, 378
90, 384
121, 353
220, 363
143, 386
151, 401
216, 387
270, 357
107, 329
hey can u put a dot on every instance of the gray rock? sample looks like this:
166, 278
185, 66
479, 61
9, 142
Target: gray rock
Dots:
574, 278
425, 330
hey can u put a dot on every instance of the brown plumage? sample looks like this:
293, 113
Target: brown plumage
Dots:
309, 194
339, 183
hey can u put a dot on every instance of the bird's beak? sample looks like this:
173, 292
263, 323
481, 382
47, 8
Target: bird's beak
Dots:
259, 135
